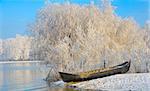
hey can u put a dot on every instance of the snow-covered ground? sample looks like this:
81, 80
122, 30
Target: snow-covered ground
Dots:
138, 81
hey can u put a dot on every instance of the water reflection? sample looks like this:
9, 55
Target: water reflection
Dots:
21, 76
25, 77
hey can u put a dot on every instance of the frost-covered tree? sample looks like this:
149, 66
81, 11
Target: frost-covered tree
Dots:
1, 49
77, 38
16, 48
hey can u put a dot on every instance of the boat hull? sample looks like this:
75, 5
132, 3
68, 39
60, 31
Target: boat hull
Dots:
98, 73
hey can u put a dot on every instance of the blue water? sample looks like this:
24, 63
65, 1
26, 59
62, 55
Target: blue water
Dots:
23, 77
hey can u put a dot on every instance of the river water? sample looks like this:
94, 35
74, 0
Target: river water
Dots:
24, 77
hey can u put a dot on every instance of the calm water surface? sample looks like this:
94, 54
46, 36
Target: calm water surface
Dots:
24, 77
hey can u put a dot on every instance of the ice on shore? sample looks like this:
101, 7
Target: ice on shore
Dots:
138, 81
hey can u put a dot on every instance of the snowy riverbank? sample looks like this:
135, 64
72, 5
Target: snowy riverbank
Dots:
120, 82
138, 81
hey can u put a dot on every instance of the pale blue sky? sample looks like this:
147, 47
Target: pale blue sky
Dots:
15, 15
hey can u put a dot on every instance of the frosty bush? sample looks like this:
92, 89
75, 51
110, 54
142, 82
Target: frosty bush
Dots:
76, 38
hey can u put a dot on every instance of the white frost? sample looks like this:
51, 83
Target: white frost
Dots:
140, 82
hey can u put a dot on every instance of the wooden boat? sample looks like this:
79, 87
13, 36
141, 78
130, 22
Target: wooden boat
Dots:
98, 73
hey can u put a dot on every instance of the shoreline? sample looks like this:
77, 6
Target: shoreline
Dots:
119, 82
132, 81
9, 62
